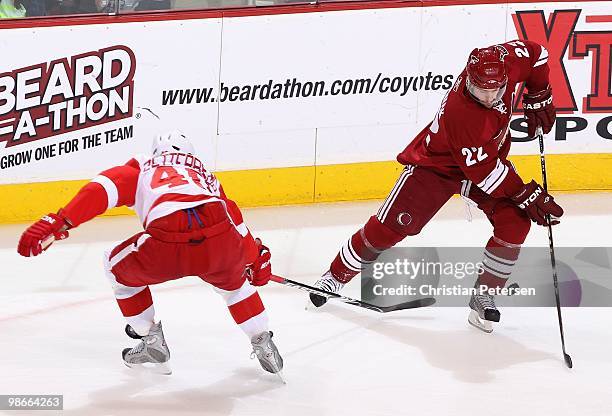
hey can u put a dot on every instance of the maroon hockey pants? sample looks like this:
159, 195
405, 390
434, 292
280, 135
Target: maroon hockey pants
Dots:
417, 196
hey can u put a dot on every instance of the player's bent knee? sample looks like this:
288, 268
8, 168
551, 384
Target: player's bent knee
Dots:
400, 226
379, 235
511, 225
106, 260
118, 288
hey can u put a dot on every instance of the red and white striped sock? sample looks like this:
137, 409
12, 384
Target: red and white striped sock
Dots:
362, 248
498, 261
247, 309
135, 302
353, 257
138, 310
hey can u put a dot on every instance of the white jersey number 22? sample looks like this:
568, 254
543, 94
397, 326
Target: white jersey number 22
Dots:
473, 155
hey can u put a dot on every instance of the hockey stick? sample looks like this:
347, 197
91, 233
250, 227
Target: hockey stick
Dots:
566, 356
51, 239
419, 303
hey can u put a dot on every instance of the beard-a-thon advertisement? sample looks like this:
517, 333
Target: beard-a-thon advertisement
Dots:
53, 105
67, 94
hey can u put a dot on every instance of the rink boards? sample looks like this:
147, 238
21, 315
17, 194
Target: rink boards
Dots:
287, 104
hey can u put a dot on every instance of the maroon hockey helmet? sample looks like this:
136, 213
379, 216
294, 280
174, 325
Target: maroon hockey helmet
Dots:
486, 68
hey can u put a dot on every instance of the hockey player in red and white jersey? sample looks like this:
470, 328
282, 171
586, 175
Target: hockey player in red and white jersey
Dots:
464, 151
190, 227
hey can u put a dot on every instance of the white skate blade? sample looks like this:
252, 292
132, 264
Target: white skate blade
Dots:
155, 368
482, 324
281, 376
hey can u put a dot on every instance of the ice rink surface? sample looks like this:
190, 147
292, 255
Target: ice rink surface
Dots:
62, 332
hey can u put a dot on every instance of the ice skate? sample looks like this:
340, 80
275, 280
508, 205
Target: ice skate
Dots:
327, 282
483, 312
151, 353
266, 352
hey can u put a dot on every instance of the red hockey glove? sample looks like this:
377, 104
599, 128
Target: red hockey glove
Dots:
38, 236
539, 111
537, 203
260, 271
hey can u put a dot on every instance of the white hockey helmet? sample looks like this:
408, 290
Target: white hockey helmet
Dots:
173, 141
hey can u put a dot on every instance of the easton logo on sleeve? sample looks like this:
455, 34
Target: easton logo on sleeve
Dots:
67, 94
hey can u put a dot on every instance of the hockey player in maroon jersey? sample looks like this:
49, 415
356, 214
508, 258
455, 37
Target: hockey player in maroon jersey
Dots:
190, 229
464, 151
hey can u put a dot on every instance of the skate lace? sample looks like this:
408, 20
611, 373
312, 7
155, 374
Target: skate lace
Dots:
329, 284
486, 301
137, 349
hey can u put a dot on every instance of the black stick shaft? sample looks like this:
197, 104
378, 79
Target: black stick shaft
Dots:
551, 246
321, 292
311, 289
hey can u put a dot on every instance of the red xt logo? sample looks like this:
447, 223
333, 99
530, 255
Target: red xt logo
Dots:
600, 43
556, 36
